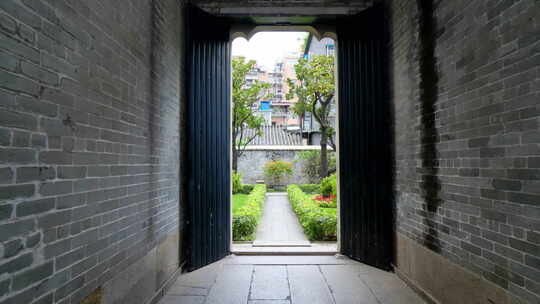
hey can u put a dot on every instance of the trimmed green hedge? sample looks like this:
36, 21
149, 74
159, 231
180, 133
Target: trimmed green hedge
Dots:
247, 188
310, 188
245, 219
320, 224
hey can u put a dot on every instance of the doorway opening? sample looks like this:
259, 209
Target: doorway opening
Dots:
284, 142
365, 183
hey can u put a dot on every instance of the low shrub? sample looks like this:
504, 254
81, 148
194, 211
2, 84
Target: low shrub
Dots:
310, 188
247, 188
246, 218
329, 186
276, 171
320, 224
236, 183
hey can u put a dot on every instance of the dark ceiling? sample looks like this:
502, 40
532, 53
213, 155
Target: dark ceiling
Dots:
283, 12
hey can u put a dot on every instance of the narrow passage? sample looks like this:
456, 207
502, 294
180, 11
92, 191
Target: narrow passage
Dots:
279, 225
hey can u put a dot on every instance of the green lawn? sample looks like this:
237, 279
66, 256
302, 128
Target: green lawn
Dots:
239, 200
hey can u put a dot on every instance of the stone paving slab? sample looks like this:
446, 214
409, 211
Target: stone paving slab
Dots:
289, 280
231, 286
202, 278
269, 302
388, 288
346, 285
269, 283
180, 290
168, 299
308, 285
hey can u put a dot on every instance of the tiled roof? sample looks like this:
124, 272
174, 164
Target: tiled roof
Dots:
274, 136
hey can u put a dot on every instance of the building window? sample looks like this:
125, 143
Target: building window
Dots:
330, 50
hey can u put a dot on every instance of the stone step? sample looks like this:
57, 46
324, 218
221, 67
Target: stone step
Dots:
298, 243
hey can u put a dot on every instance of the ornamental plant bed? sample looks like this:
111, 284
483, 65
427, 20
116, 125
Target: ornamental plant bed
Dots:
328, 196
319, 224
247, 211
326, 201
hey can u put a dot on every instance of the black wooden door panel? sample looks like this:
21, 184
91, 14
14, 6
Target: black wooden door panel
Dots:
208, 138
366, 200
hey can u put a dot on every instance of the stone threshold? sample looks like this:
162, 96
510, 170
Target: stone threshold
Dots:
281, 244
313, 249
271, 252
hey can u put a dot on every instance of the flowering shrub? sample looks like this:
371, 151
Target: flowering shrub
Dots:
325, 198
326, 201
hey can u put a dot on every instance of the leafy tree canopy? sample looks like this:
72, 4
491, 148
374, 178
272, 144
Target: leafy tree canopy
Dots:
314, 88
245, 103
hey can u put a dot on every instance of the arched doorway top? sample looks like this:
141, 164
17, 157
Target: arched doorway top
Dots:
248, 31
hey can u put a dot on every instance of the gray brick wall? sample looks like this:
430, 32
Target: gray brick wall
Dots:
89, 147
467, 94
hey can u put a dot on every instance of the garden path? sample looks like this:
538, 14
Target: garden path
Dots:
279, 225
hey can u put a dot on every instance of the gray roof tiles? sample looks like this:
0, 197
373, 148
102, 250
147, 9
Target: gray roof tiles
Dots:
275, 136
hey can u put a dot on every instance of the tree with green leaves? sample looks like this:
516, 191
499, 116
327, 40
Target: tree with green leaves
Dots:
315, 89
245, 103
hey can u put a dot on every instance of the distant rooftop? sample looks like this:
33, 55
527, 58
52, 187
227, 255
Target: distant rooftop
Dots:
275, 136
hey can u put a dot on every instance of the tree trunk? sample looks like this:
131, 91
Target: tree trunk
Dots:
324, 155
235, 159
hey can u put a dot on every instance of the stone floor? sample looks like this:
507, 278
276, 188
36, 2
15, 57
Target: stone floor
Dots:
289, 280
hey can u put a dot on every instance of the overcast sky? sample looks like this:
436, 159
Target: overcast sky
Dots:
268, 47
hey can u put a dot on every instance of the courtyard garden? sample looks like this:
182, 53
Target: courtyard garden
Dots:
315, 206
307, 211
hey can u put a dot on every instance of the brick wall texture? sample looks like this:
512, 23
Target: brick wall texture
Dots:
90, 110
466, 90
89, 133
